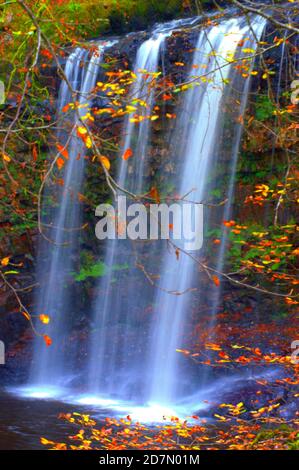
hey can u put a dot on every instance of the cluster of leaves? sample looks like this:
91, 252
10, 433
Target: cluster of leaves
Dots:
256, 422
190, 434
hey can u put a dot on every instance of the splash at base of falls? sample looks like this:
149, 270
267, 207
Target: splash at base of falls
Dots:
147, 413
150, 412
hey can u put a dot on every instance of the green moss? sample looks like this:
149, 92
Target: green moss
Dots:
264, 108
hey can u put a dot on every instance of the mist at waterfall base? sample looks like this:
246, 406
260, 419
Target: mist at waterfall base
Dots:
133, 366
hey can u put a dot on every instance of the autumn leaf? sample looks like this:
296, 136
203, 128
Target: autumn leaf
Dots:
81, 198
62, 150
5, 261
222, 418
216, 281
154, 194
183, 351
26, 315
34, 153
44, 318
229, 223
47, 340
213, 346
127, 154
81, 131
88, 142
45, 441
60, 163
6, 158
248, 51
105, 162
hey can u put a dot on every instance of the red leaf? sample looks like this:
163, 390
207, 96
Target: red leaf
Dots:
216, 280
154, 194
60, 162
128, 154
34, 153
47, 340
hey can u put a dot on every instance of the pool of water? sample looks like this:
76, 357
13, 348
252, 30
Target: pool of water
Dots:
27, 414
23, 421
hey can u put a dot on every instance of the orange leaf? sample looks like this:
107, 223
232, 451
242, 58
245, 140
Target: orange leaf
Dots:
60, 162
34, 153
105, 162
6, 158
154, 194
216, 280
47, 340
5, 261
62, 150
213, 346
26, 315
44, 318
229, 223
81, 197
128, 154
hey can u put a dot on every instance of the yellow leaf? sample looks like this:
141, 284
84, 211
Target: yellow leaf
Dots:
81, 131
44, 318
88, 142
105, 162
222, 418
6, 158
45, 441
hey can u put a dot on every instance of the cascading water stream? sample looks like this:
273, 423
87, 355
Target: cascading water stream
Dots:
198, 128
58, 251
112, 359
238, 91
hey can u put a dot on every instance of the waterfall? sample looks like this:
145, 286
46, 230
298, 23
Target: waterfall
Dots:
130, 358
238, 91
198, 128
61, 213
113, 364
